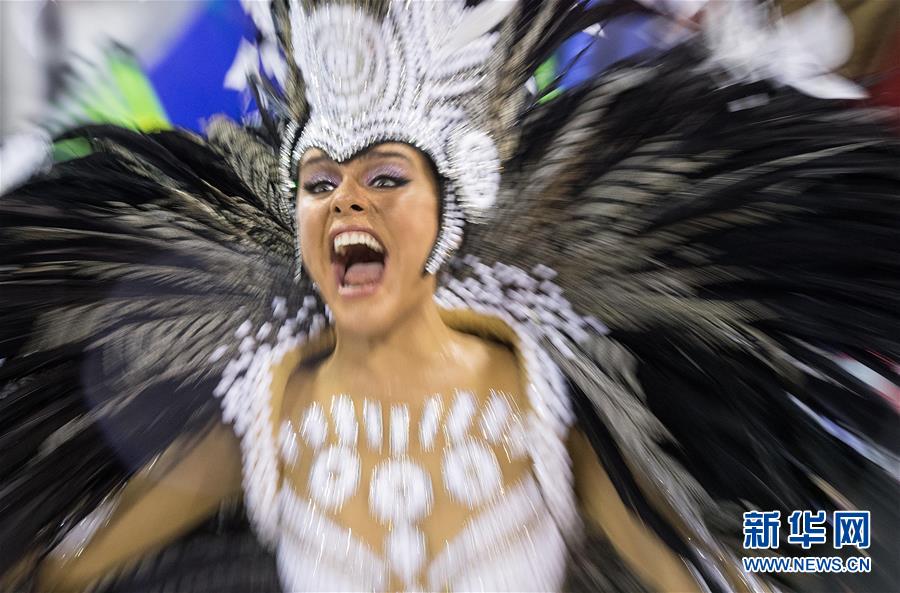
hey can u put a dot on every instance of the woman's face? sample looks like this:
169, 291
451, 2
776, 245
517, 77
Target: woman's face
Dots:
366, 228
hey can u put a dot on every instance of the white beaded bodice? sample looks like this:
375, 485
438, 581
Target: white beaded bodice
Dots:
434, 496
458, 491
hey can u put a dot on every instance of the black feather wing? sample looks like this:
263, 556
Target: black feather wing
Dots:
738, 256
125, 276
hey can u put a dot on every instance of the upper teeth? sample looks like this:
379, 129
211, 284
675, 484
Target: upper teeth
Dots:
344, 240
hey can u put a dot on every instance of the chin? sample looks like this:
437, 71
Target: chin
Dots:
362, 320
379, 313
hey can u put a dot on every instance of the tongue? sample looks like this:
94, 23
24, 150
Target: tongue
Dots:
364, 273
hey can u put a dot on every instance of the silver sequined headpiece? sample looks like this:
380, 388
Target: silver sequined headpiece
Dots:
417, 76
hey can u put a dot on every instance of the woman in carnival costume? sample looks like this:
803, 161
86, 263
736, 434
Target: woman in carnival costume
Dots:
420, 329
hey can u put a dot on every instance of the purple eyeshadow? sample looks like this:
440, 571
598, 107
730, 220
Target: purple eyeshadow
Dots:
386, 170
320, 177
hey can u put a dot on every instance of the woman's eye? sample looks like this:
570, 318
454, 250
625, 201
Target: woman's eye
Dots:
319, 187
388, 181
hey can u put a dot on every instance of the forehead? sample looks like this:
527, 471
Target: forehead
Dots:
381, 150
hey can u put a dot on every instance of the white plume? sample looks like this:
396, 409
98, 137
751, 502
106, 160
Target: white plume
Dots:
800, 50
478, 21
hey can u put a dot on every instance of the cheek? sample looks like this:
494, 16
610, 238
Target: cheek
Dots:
310, 226
419, 228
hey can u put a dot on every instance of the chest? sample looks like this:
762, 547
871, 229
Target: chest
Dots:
429, 494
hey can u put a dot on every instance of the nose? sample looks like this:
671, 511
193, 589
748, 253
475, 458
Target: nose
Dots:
349, 199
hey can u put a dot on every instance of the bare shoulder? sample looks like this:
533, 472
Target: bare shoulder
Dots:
497, 362
302, 383
500, 355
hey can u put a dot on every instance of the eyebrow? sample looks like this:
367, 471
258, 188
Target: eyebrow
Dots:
381, 153
366, 154
316, 159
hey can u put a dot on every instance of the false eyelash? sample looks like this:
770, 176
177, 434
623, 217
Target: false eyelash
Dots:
316, 179
392, 171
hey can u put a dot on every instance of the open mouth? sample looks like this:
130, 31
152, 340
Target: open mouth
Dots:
358, 259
